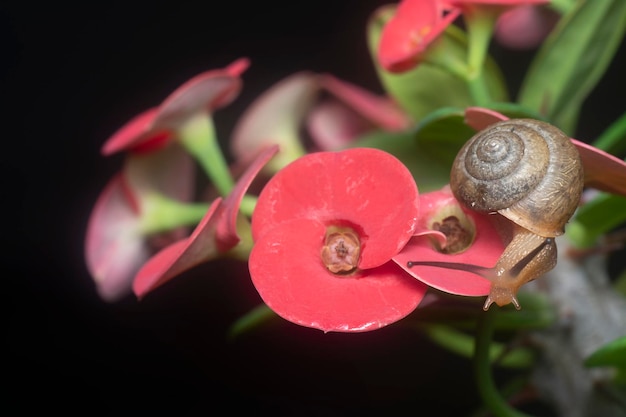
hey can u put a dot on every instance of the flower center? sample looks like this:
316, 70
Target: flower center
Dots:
457, 227
341, 250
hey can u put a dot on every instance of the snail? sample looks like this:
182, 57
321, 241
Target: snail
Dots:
529, 173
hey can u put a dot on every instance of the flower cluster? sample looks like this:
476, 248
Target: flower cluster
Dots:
339, 239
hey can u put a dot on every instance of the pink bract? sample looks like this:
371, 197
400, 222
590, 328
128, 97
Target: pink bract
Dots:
603, 171
215, 235
485, 250
367, 190
205, 92
116, 245
277, 116
408, 34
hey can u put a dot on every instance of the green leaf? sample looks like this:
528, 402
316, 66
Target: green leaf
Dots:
426, 87
611, 354
463, 345
442, 133
613, 139
597, 217
573, 59
256, 317
429, 173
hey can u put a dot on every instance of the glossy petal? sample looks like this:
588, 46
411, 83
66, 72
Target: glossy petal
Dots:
215, 234
351, 187
484, 251
286, 270
602, 171
407, 35
205, 92
275, 118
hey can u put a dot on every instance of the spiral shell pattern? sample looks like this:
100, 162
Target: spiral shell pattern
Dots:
526, 170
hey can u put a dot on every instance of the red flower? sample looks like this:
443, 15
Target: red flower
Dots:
205, 92
325, 228
408, 34
118, 237
215, 235
472, 240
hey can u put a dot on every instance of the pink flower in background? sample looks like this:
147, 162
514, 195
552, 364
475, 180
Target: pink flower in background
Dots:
335, 112
524, 27
118, 240
325, 229
119, 235
215, 235
205, 92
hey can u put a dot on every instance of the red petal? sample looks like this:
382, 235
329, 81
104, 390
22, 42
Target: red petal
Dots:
603, 171
227, 236
180, 256
479, 118
410, 31
286, 269
135, 132
484, 251
205, 92
367, 189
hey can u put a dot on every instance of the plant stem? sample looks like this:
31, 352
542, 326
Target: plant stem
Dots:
482, 369
480, 22
163, 213
198, 137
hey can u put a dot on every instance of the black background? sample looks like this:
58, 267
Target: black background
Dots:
71, 74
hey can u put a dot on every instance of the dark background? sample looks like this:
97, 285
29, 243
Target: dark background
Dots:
71, 74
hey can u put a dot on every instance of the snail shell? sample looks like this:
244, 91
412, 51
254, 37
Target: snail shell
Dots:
526, 170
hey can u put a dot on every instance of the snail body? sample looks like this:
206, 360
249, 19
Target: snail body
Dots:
529, 172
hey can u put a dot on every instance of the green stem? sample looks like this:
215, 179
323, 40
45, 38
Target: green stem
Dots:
198, 136
247, 205
482, 369
480, 23
163, 214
